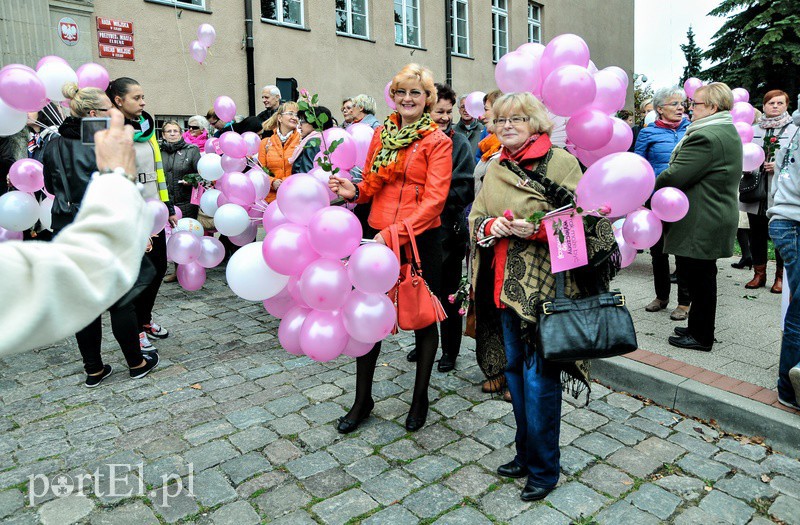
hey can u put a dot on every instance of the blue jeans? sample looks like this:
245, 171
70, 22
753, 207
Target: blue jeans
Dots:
786, 236
536, 398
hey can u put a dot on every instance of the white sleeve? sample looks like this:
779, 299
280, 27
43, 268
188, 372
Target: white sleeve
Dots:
49, 291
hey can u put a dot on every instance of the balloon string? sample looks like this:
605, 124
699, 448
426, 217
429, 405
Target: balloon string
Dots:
183, 55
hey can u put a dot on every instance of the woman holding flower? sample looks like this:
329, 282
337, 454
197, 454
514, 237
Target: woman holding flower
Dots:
406, 177
276, 150
511, 277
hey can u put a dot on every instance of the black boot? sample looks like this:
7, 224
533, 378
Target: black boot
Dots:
427, 343
365, 372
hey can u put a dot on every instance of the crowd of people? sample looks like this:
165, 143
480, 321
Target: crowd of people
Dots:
463, 192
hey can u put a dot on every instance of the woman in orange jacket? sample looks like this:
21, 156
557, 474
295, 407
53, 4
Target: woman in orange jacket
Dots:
276, 150
407, 177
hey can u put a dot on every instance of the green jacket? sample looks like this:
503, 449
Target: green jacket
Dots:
707, 168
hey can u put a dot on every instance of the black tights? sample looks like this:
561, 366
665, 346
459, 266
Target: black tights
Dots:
126, 332
147, 298
427, 341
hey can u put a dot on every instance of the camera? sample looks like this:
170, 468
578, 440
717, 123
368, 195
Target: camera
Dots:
91, 125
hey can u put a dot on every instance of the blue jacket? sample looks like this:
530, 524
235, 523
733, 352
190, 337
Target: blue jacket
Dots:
656, 144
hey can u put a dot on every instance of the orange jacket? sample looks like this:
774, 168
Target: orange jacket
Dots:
275, 156
418, 193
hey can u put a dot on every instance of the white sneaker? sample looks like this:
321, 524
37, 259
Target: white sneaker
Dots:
794, 377
144, 342
156, 330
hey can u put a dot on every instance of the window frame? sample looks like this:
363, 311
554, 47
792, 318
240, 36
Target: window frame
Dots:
534, 22
349, 12
454, 35
280, 19
203, 7
498, 13
405, 43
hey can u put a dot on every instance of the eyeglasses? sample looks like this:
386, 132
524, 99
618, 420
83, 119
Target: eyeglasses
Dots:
102, 109
194, 127
289, 114
516, 120
301, 121
672, 104
414, 93
694, 103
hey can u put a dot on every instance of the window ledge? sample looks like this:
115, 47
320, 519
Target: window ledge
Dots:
187, 7
410, 46
356, 37
282, 24
459, 55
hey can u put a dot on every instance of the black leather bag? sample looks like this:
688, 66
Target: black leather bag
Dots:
588, 328
753, 186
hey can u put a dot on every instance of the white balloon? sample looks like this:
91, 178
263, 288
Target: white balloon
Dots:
18, 211
190, 225
249, 276
210, 166
231, 219
260, 182
55, 75
11, 120
208, 201
46, 212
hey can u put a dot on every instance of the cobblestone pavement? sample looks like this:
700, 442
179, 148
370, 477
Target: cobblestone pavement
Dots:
257, 427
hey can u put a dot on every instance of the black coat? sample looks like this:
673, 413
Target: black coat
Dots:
455, 233
180, 159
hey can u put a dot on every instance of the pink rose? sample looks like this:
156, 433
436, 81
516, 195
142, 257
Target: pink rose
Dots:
509, 215
451, 298
462, 312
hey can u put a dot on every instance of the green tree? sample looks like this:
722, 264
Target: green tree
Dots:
757, 47
641, 92
693, 55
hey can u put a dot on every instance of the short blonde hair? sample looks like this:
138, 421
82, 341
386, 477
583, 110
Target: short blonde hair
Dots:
272, 122
82, 101
717, 94
416, 73
525, 103
366, 103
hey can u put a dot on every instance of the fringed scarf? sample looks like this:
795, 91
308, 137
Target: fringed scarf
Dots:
784, 119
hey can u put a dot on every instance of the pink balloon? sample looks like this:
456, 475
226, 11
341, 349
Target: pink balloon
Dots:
323, 337
324, 176
233, 145
590, 129
279, 305
183, 247
247, 236
619, 73
27, 175
50, 58
334, 232
344, 156
564, 50
290, 327
253, 141
233, 164
8, 235
621, 139
257, 212
518, 72
627, 251
158, 210
532, 48
368, 317
206, 35
474, 104
691, 85
261, 183
362, 135
568, 89
287, 250
743, 112
387, 96
745, 131
191, 276
211, 252
92, 75
225, 108
211, 145
197, 51
300, 197
642, 229
611, 92
621, 181
670, 204
22, 89
373, 268
741, 95
355, 348
324, 284
293, 286
239, 188
592, 68
273, 217
753, 156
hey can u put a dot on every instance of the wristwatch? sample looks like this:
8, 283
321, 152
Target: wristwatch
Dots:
119, 170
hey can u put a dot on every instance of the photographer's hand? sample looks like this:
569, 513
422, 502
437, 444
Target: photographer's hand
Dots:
114, 146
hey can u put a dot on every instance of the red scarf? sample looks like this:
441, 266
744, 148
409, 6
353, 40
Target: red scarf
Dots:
666, 124
534, 148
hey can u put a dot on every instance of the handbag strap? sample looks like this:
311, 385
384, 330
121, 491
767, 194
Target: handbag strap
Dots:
413, 239
63, 172
395, 240
560, 286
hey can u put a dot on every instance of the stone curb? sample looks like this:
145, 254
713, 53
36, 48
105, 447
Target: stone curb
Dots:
733, 413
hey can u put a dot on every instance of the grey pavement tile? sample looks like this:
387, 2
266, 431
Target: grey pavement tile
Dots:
65, 511
281, 452
247, 417
504, 503
466, 451
686, 487
697, 516
451, 405
210, 454
253, 438
367, 468
746, 488
318, 437
495, 435
622, 433
787, 486
693, 445
648, 426
585, 419
470, 481
282, 500
740, 464
246, 466
350, 450
391, 486
261, 483
623, 512
541, 515
781, 464
208, 431
311, 464
607, 480
464, 516
785, 509
623, 401
345, 506
655, 500
703, 468
696, 429
576, 500
611, 412
393, 515
289, 425
136, 513
717, 503
598, 444
431, 501
492, 409
328, 483
663, 451
236, 513
10, 501
211, 488
573, 460
431, 468
747, 451
634, 462
403, 450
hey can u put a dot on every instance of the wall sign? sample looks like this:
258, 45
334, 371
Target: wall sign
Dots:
115, 38
68, 31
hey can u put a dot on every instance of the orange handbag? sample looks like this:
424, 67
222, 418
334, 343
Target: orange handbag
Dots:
417, 307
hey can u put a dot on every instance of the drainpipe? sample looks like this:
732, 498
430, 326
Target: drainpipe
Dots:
448, 42
249, 50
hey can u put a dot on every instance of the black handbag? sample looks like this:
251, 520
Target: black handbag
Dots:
147, 274
753, 184
592, 327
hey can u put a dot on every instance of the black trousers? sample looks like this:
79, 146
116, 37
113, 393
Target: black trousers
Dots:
452, 327
701, 277
759, 235
661, 275
125, 327
144, 303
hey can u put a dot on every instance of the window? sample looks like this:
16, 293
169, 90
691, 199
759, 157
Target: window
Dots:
351, 17
534, 23
406, 22
194, 5
499, 29
288, 12
459, 20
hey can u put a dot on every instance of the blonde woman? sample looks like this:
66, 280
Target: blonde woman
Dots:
276, 151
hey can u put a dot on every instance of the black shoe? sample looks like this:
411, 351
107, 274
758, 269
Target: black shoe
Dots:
534, 493
512, 470
414, 423
446, 363
681, 330
412, 356
687, 341
93, 381
346, 426
744, 262
150, 362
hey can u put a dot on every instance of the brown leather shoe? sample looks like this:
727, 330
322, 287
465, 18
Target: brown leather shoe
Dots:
680, 313
494, 385
759, 279
777, 286
656, 305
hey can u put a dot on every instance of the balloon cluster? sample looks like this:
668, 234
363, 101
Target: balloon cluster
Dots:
198, 49
23, 89
19, 210
743, 114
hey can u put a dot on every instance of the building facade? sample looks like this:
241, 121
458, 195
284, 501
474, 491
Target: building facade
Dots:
337, 48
